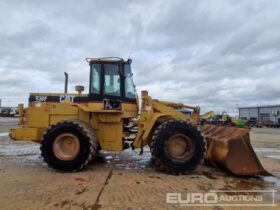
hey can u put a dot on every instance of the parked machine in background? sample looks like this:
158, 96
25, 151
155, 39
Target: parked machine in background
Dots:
268, 124
9, 112
221, 119
207, 117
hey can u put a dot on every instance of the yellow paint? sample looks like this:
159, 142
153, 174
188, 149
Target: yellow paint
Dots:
24, 133
20, 113
108, 124
110, 136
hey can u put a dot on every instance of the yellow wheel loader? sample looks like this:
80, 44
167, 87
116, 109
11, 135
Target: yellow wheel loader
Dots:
71, 128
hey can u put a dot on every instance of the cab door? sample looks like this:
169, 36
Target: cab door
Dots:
112, 86
106, 84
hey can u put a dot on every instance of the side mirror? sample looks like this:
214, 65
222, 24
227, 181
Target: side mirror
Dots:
79, 88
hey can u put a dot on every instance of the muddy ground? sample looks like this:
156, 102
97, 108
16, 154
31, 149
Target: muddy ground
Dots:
124, 180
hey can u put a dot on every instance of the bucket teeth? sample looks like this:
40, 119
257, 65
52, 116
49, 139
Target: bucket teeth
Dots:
230, 148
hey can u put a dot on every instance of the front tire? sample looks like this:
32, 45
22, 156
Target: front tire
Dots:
177, 147
69, 145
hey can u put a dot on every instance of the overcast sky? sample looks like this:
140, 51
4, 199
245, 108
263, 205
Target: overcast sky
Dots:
215, 54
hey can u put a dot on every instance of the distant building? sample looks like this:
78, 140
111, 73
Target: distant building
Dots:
270, 112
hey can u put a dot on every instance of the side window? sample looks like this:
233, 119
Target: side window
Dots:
112, 80
95, 78
130, 91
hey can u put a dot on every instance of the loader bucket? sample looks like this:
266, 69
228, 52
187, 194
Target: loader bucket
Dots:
230, 148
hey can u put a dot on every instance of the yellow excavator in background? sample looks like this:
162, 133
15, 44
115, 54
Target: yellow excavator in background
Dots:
221, 119
72, 128
206, 117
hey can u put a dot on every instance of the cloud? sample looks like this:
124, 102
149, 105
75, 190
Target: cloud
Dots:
216, 54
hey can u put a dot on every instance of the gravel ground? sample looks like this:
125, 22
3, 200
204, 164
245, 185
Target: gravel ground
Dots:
122, 180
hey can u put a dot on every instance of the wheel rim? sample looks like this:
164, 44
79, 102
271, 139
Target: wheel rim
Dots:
179, 147
66, 146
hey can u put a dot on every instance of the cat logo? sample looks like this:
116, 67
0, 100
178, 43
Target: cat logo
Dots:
66, 99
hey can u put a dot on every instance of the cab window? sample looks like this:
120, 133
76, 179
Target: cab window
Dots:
112, 85
130, 91
95, 78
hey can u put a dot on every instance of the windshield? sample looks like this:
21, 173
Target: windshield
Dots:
130, 91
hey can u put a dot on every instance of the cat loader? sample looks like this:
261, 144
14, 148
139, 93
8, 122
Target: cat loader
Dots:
72, 128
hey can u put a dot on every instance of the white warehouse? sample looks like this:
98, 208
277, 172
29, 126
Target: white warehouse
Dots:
270, 112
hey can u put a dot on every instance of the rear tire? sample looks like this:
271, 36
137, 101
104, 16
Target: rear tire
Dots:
69, 145
177, 147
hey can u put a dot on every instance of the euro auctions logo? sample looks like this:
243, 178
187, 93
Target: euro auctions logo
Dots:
192, 198
223, 198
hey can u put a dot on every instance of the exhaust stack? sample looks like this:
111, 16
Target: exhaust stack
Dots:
66, 83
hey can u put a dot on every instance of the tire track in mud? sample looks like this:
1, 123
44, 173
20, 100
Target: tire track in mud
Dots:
57, 190
96, 204
137, 190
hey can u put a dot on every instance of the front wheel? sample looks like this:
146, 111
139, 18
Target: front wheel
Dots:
177, 147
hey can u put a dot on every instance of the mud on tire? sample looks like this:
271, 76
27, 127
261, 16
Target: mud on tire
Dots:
85, 145
177, 147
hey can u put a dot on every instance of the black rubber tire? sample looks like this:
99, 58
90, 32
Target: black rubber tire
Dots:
163, 132
88, 145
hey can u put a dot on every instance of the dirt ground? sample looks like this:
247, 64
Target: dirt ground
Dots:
122, 180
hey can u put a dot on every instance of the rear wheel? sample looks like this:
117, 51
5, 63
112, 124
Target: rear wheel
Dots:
177, 147
66, 146
69, 145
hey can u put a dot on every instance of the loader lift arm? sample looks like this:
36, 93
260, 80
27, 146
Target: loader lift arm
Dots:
155, 112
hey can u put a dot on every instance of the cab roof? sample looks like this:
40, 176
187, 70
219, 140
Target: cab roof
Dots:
108, 59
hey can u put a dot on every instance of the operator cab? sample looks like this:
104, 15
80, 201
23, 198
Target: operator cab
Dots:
111, 82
